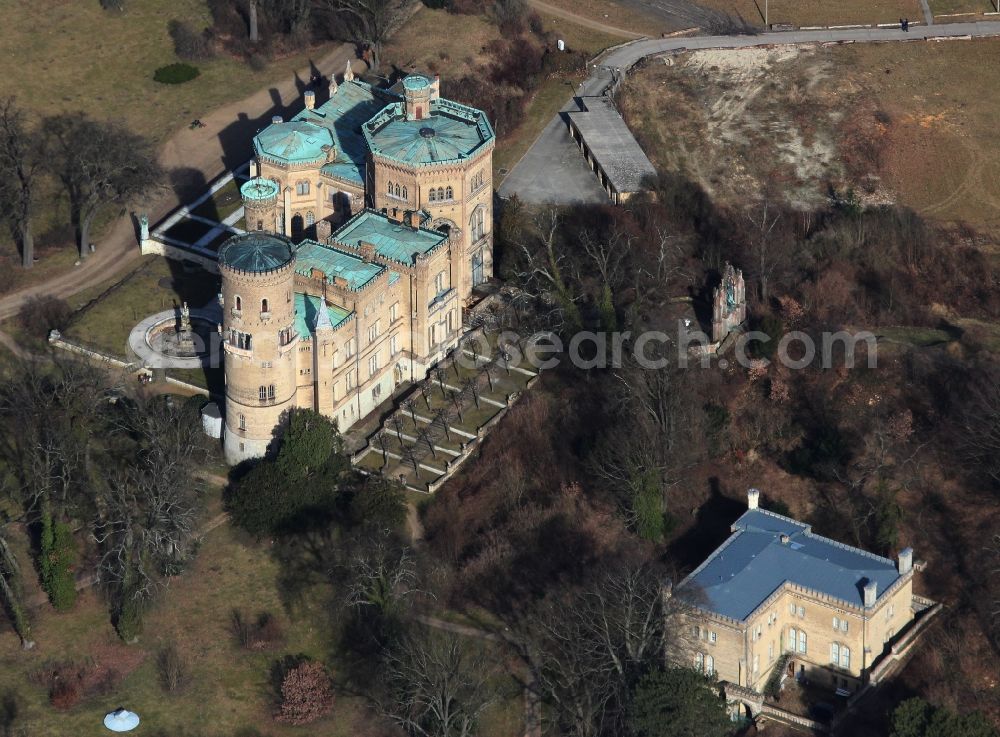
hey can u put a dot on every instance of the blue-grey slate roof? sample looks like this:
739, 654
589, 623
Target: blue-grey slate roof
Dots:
754, 562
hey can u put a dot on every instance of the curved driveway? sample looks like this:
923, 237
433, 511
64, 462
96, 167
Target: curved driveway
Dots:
553, 170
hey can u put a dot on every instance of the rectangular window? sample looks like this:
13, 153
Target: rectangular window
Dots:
802, 611
350, 380
394, 345
373, 332
350, 347
373, 364
712, 637
844, 626
756, 664
439, 283
791, 609
770, 651
696, 630
836, 623
394, 312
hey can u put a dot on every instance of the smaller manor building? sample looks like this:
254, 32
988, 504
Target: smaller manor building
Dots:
775, 594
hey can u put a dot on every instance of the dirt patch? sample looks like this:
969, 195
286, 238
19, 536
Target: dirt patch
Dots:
902, 123
742, 122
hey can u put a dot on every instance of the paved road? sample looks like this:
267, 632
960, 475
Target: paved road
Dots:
553, 170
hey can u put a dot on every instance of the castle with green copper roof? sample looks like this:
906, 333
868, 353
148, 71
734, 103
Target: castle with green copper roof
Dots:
370, 224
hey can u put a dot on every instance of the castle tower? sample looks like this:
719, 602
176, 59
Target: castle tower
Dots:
260, 200
259, 338
417, 91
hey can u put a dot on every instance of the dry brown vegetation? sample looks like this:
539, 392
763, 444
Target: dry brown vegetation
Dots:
904, 123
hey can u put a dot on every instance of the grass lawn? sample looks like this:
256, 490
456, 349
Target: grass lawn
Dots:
437, 41
157, 284
223, 203
820, 12
70, 56
230, 688
939, 7
614, 14
921, 337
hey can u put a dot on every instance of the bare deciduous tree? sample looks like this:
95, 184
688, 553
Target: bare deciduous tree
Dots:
765, 250
436, 686
20, 165
584, 651
370, 21
382, 577
99, 164
11, 593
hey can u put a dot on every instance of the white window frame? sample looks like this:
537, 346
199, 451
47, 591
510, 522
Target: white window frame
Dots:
845, 657
803, 642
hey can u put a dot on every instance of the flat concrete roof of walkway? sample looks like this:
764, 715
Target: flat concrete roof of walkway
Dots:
612, 144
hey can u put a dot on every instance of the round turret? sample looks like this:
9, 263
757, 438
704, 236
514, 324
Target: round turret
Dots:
259, 337
260, 199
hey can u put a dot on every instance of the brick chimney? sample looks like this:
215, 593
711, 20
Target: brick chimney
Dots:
310, 99
871, 594
753, 498
905, 561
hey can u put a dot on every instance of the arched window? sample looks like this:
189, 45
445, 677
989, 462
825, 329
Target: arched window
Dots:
302, 187
709, 665
239, 303
834, 653
310, 218
263, 305
449, 194
432, 195
802, 641
477, 224
390, 188
845, 657
441, 193
297, 224
404, 191
699, 662
792, 634
397, 190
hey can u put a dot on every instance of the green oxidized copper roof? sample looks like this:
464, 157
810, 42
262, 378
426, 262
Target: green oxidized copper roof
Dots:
416, 82
259, 189
392, 240
297, 141
334, 262
256, 252
337, 121
308, 311
451, 132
